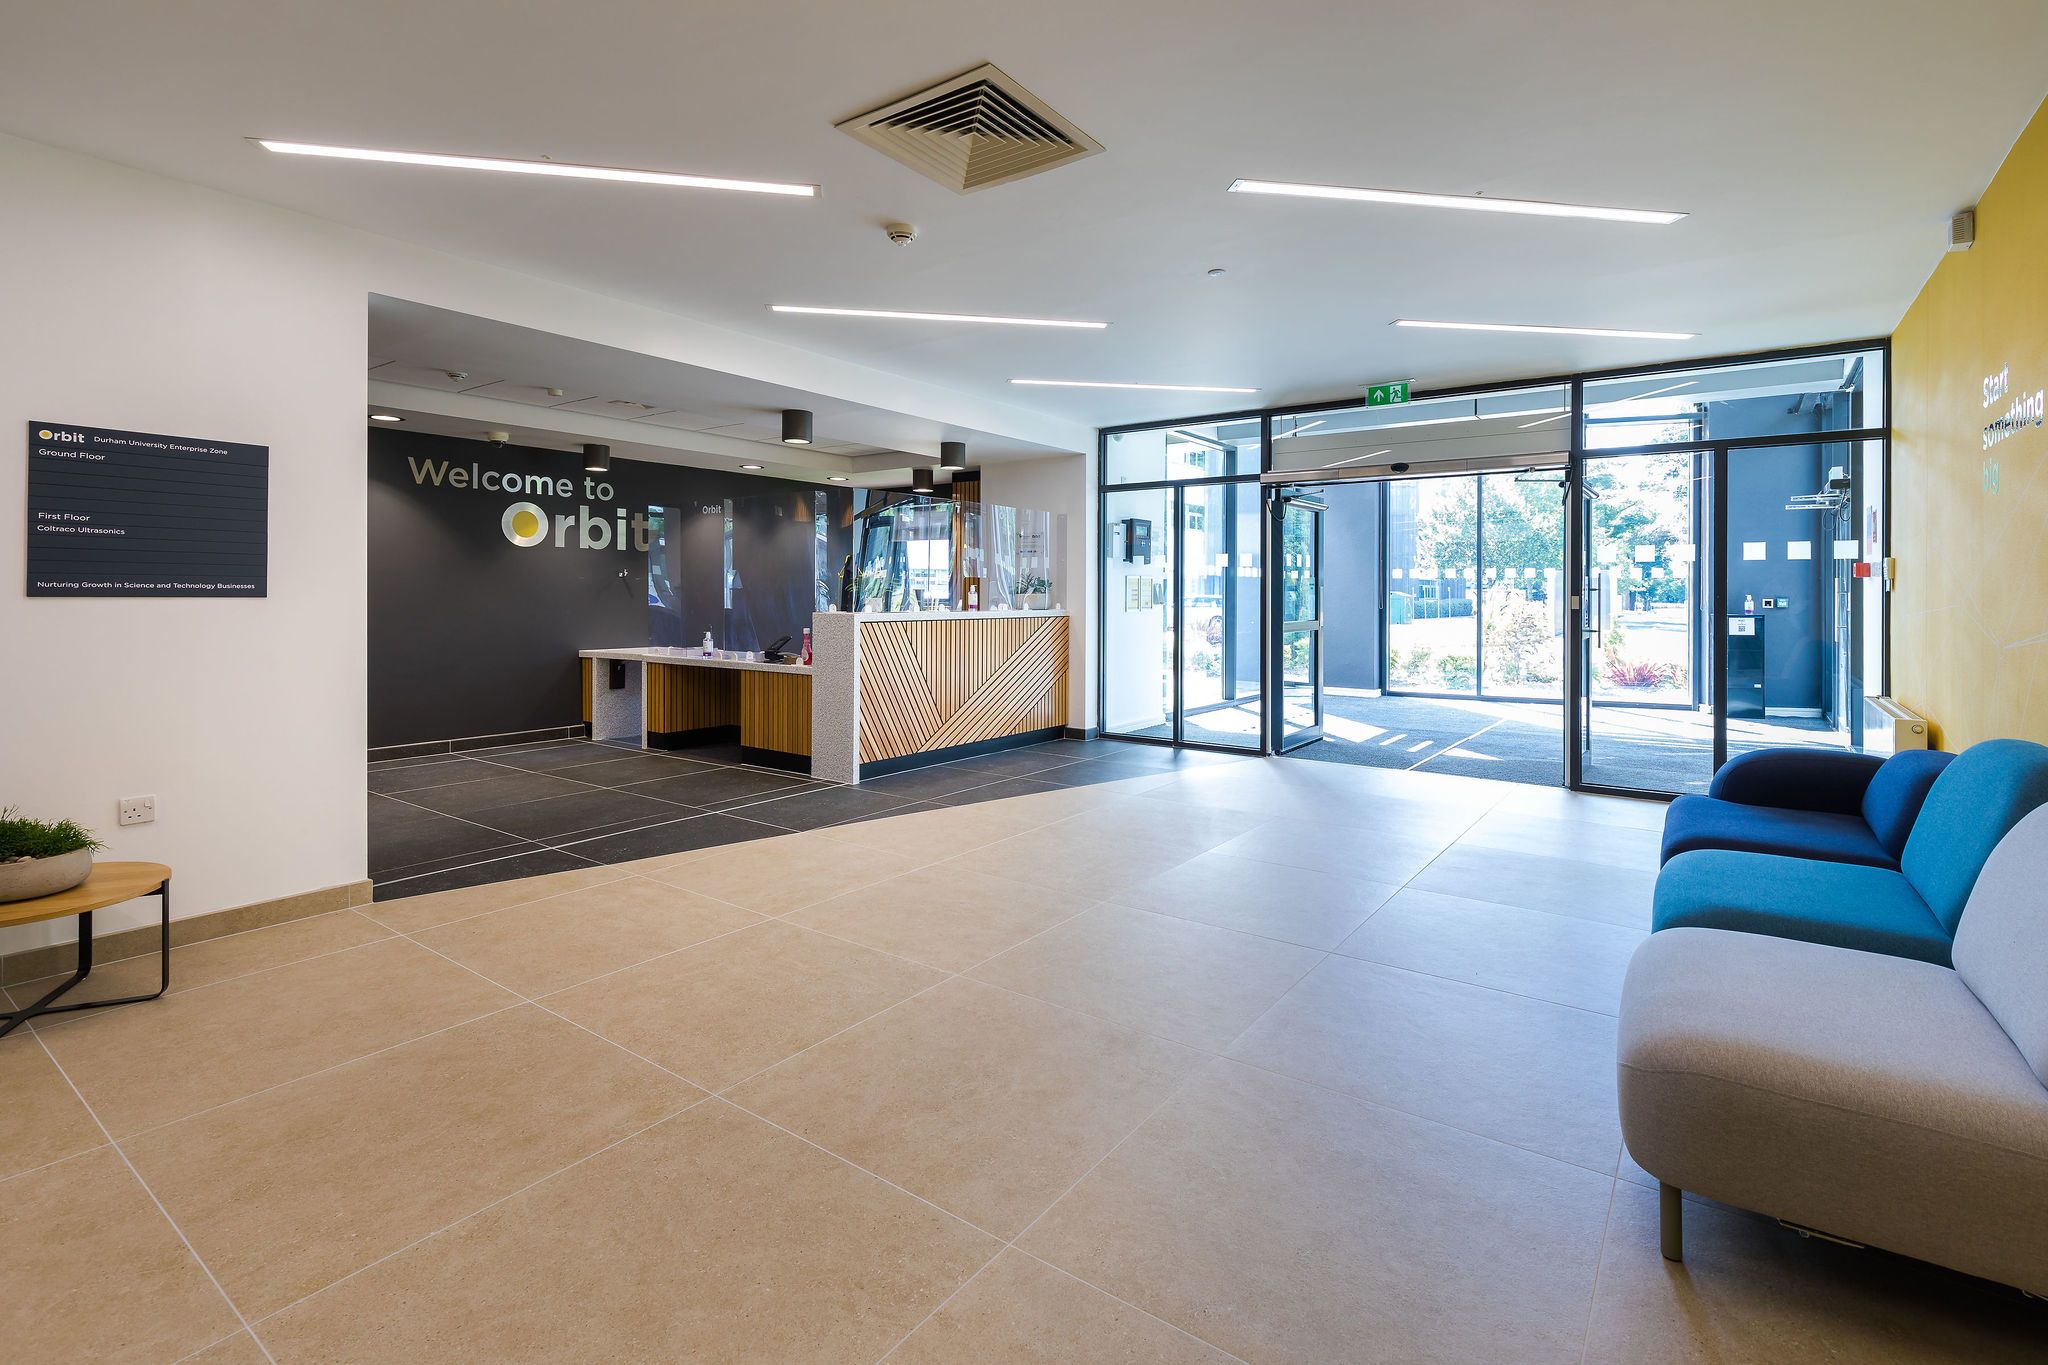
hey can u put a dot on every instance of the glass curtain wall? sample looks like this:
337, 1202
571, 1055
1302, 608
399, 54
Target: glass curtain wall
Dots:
1182, 584
1728, 528
1734, 587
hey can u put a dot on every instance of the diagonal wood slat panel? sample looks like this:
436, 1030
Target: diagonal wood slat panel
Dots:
928, 685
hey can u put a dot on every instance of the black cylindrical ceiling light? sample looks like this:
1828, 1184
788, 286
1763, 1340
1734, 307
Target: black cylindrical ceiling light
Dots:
921, 480
796, 427
952, 454
596, 458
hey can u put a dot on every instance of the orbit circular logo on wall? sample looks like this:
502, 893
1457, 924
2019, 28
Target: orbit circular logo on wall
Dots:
524, 524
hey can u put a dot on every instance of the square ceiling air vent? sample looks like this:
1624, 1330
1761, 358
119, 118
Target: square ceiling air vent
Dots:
978, 129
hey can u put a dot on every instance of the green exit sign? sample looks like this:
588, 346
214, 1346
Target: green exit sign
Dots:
1381, 395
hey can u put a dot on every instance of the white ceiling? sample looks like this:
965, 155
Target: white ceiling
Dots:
1819, 147
456, 374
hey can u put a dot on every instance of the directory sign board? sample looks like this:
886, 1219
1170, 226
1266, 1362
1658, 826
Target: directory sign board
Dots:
137, 514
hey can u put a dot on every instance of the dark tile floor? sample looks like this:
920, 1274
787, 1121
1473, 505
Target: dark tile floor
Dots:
490, 815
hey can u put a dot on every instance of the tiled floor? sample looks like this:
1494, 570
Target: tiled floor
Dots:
1196, 1062
493, 815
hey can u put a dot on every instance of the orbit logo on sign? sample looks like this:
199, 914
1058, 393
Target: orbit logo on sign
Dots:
524, 524
527, 524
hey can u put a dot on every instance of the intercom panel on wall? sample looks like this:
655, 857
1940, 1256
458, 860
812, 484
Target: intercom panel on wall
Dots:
1137, 540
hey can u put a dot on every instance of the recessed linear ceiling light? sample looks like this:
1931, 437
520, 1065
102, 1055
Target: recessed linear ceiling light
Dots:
568, 169
835, 478
1547, 331
1476, 203
1101, 384
385, 417
752, 466
932, 317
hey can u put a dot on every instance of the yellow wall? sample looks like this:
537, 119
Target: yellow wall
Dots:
1970, 613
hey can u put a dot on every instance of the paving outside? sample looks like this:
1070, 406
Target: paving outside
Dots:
1654, 749
1209, 1060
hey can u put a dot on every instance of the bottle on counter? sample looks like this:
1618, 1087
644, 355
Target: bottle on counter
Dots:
710, 650
807, 646
974, 597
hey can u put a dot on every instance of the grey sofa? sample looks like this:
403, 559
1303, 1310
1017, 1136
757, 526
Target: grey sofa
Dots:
1876, 1099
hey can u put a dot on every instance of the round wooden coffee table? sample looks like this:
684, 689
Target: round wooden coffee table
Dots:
109, 884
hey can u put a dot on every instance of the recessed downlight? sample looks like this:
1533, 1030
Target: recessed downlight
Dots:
903, 316
1476, 203
1105, 384
568, 169
385, 417
1626, 333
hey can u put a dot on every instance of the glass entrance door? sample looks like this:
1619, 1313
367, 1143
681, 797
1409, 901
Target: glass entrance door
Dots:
1647, 718
1298, 538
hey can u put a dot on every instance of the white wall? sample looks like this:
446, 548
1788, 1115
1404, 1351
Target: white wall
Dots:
139, 303
145, 303
1063, 485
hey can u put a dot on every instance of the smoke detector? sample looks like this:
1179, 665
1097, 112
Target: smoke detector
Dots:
902, 234
978, 129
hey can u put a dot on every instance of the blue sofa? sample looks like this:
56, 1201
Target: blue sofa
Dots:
1911, 912
1808, 803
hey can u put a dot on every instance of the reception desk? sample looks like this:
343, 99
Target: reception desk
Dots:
673, 699
894, 691
884, 692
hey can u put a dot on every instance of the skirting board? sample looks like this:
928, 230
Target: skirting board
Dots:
31, 964
381, 752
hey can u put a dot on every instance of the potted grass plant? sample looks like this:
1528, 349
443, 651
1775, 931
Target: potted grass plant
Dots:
42, 857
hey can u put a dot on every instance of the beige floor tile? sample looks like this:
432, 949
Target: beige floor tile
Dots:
1190, 982
92, 1270
986, 1103
548, 945
287, 1191
1563, 886
142, 1065
1753, 1293
1285, 1223
220, 959
239, 1349
1585, 841
1144, 821
1521, 1071
1022, 1310
721, 1011
41, 1117
776, 876
943, 917
712, 1237
927, 836
1558, 803
1296, 905
409, 914
1553, 957
1091, 857
1389, 856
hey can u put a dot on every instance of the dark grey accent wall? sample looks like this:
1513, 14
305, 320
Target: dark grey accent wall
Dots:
471, 634
1796, 654
1351, 586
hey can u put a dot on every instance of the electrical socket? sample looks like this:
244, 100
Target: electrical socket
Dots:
138, 810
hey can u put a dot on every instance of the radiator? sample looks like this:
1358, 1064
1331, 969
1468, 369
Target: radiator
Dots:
1889, 727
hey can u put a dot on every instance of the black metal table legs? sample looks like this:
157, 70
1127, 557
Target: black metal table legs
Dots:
10, 1021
